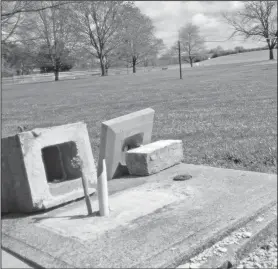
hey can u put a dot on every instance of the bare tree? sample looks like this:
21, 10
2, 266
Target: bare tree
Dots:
98, 25
139, 41
192, 43
12, 15
52, 29
16, 7
10, 20
257, 20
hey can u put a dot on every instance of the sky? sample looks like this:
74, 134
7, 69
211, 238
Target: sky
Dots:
169, 16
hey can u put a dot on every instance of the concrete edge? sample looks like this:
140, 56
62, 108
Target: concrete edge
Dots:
241, 251
182, 257
237, 251
269, 230
40, 259
27, 262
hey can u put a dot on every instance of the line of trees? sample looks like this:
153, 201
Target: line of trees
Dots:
52, 33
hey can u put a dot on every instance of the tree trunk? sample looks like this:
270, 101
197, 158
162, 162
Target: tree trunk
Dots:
191, 61
271, 57
270, 47
56, 69
134, 65
56, 73
103, 68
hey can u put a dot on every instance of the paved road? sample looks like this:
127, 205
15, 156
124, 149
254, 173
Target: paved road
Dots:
9, 261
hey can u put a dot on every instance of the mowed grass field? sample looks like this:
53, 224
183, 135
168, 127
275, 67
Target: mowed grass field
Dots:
226, 115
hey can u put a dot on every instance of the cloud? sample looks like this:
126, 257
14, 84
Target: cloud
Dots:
204, 21
169, 16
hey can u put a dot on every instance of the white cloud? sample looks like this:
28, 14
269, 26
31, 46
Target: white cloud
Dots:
204, 21
169, 16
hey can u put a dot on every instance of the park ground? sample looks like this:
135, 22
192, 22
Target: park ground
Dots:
226, 114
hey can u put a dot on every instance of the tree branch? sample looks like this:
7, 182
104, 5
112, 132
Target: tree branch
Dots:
21, 10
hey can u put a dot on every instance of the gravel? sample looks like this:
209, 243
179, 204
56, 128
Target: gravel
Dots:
265, 256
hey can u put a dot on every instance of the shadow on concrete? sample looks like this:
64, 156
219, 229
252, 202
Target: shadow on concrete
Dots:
82, 216
13, 216
31, 214
114, 186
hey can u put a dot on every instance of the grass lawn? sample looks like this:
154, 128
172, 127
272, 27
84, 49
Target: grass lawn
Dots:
226, 115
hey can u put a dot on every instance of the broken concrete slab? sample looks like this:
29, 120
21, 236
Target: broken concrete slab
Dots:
154, 157
121, 134
196, 214
37, 171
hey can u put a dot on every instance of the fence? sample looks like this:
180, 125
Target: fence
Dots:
36, 78
47, 77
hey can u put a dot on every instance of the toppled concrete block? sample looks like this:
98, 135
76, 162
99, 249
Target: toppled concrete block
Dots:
121, 134
38, 170
154, 157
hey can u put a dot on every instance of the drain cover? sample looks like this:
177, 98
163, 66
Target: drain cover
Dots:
182, 177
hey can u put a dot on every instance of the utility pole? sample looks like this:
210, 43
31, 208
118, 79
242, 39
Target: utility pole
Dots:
180, 59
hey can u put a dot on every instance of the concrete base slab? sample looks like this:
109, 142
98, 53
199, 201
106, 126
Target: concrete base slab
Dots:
176, 220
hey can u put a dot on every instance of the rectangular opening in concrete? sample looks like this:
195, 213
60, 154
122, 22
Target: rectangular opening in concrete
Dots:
130, 142
57, 160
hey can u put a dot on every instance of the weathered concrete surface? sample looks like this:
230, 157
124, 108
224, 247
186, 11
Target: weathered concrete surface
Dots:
125, 207
121, 134
25, 186
207, 208
154, 157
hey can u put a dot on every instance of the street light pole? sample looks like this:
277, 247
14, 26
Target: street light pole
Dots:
180, 59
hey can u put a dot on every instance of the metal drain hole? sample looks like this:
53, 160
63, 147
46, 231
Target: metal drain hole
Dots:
182, 177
